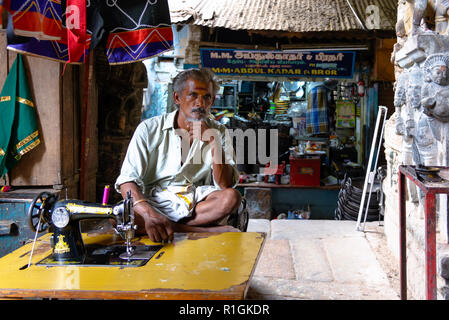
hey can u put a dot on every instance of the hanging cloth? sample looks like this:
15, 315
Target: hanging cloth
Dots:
317, 113
130, 30
18, 124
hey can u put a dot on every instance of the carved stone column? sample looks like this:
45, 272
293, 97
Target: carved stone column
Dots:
418, 132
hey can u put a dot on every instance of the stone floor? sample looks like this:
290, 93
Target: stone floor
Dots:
323, 260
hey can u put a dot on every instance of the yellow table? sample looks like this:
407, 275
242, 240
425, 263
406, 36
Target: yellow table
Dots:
199, 266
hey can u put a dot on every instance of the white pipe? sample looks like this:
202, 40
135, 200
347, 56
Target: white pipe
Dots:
375, 166
356, 15
370, 161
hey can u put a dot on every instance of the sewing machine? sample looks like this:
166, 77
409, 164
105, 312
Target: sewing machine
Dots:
62, 217
101, 263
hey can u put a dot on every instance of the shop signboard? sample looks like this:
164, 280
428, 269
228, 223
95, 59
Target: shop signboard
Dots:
291, 63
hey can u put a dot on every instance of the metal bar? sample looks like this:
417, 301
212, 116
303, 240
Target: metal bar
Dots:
435, 187
6, 227
430, 231
402, 236
356, 15
430, 228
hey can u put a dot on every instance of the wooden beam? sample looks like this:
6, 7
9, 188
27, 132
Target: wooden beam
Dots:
85, 129
234, 45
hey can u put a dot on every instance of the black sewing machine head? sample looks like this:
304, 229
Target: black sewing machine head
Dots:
63, 218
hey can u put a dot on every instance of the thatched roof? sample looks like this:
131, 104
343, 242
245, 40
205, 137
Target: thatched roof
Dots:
287, 15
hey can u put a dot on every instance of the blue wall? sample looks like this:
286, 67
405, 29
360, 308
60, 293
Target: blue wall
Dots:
322, 201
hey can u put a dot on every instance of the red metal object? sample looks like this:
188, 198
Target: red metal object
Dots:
305, 171
431, 263
277, 170
402, 237
430, 190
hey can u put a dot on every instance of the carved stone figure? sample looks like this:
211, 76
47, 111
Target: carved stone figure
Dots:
414, 86
419, 144
405, 103
425, 139
407, 100
400, 98
401, 36
424, 144
418, 137
419, 8
441, 10
435, 92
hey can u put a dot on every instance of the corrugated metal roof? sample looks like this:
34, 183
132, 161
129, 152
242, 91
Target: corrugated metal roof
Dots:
182, 10
287, 15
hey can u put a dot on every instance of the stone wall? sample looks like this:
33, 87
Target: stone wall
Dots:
415, 224
417, 134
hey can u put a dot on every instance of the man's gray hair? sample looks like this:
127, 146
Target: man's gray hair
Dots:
201, 74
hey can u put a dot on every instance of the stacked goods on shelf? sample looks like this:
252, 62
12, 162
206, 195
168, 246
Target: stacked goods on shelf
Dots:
282, 107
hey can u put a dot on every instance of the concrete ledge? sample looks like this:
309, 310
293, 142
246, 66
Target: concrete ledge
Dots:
276, 289
313, 229
259, 225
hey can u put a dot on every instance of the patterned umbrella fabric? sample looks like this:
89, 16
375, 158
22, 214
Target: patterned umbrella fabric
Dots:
65, 30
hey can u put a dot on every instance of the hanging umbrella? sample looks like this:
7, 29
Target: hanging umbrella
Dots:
67, 30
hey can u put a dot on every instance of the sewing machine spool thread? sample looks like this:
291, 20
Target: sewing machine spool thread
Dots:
105, 195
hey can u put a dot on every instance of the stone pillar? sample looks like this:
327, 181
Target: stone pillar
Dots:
192, 53
420, 128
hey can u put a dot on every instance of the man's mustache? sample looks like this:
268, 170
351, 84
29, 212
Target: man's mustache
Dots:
199, 110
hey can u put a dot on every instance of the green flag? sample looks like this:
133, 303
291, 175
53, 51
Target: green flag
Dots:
18, 124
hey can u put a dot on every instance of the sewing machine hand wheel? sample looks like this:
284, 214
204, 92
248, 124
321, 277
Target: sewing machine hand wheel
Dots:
40, 210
